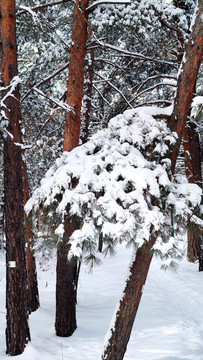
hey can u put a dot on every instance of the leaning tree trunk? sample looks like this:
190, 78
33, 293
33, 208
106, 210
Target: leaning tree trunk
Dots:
120, 333
177, 122
194, 175
17, 331
32, 291
66, 272
128, 306
187, 80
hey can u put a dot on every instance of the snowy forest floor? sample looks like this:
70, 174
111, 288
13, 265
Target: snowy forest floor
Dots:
169, 325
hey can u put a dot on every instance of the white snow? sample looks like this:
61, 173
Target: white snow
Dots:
169, 324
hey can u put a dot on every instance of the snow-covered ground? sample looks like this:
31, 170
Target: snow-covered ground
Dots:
169, 325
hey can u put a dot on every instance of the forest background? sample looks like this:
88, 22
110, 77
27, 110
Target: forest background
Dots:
77, 66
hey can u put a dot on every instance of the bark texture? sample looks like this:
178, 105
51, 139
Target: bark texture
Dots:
76, 74
17, 331
120, 333
32, 291
65, 323
67, 272
187, 80
194, 175
88, 87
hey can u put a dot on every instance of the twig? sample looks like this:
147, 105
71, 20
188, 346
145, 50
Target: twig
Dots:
103, 98
45, 80
107, 2
41, 6
115, 88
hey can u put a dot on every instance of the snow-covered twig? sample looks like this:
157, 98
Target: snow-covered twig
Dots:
107, 2
48, 78
115, 88
23, 8
103, 98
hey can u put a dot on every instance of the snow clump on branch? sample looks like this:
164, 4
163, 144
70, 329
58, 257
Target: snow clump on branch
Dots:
118, 186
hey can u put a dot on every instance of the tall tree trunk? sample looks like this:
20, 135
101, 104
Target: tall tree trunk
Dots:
32, 291
76, 74
194, 175
17, 331
66, 272
187, 80
128, 306
87, 99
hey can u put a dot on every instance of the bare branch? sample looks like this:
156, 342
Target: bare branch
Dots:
115, 88
41, 6
48, 78
50, 116
55, 101
106, 61
154, 102
149, 89
159, 76
132, 54
103, 98
107, 2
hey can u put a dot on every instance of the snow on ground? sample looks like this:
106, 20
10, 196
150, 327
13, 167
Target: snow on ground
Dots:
169, 325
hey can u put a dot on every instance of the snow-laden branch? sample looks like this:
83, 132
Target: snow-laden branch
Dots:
107, 2
100, 94
39, 20
131, 54
10, 92
55, 101
118, 186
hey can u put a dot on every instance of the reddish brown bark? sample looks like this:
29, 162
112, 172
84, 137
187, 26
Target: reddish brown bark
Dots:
187, 80
194, 175
76, 74
65, 322
32, 292
120, 333
17, 331
67, 274
87, 99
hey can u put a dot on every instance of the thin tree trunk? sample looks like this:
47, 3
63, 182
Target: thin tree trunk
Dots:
32, 291
66, 273
65, 323
194, 175
120, 332
17, 331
